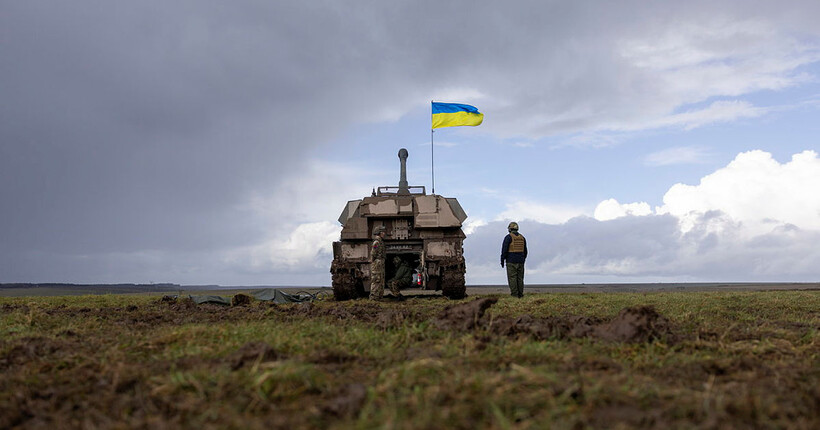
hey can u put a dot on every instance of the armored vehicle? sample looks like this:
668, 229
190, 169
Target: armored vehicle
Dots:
423, 230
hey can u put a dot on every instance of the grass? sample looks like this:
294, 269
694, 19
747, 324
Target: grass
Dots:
737, 359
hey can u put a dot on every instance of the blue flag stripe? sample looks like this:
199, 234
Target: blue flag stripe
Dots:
452, 108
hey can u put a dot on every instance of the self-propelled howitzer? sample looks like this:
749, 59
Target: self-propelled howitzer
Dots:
422, 230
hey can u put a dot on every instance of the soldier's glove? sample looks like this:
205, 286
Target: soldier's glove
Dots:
502, 263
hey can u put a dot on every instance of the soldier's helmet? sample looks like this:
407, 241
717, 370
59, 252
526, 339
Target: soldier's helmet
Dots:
396, 260
378, 229
513, 226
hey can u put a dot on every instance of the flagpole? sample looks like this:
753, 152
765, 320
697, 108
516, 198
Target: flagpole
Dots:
432, 163
432, 157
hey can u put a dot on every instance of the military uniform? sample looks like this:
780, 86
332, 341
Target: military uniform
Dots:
514, 254
377, 267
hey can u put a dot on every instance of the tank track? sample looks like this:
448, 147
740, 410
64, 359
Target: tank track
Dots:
452, 281
346, 283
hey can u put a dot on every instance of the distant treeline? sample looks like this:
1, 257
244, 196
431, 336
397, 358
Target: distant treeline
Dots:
67, 285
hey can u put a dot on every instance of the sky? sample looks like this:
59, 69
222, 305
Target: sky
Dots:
205, 142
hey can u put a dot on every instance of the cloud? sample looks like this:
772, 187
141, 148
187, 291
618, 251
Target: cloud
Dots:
755, 190
543, 213
680, 57
611, 209
678, 155
472, 224
522, 144
754, 220
719, 111
721, 55
592, 139
307, 248
298, 236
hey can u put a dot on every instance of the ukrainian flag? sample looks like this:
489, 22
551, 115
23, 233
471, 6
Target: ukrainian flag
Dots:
455, 114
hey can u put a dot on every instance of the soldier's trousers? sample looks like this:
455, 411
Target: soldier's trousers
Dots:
515, 279
376, 280
396, 286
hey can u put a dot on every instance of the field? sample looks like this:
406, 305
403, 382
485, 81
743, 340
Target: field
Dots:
562, 361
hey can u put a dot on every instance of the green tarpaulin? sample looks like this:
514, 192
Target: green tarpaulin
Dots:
219, 300
272, 294
265, 295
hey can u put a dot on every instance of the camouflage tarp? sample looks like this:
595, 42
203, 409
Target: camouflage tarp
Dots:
219, 300
265, 295
272, 294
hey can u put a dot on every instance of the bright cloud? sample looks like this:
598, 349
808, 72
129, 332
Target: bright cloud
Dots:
472, 224
301, 225
754, 190
308, 246
547, 214
611, 209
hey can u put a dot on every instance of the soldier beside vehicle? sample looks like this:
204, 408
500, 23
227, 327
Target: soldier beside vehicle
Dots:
403, 277
514, 254
377, 264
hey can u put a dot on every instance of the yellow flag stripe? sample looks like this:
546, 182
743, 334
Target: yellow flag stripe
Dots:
455, 119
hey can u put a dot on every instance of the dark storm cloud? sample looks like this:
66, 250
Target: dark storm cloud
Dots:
144, 127
129, 127
141, 125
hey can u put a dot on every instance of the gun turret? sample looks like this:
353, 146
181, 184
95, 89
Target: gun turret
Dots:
403, 189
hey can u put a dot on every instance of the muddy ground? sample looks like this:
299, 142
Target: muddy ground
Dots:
120, 367
29, 290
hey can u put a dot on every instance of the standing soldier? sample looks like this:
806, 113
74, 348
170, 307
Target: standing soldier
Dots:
377, 264
514, 253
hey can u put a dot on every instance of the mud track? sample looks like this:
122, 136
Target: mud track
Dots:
638, 324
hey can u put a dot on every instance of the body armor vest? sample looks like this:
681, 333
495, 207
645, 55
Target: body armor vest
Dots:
517, 243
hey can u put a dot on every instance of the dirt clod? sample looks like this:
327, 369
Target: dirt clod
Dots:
390, 318
185, 304
240, 300
638, 324
464, 316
